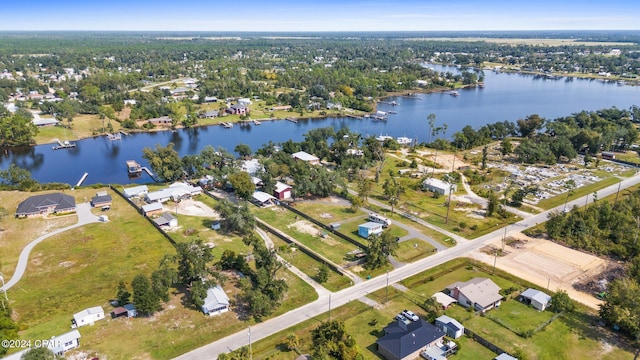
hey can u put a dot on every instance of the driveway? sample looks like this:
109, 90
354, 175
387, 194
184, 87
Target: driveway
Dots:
84, 217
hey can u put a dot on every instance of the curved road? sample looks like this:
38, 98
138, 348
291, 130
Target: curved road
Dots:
84, 217
308, 311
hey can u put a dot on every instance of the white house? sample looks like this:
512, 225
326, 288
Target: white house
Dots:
88, 316
535, 298
438, 186
450, 326
136, 191
216, 302
306, 157
150, 209
481, 294
244, 101
251, 167
65, 342
160, 196
369, 228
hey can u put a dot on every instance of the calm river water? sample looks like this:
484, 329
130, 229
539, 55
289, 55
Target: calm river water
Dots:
505, 97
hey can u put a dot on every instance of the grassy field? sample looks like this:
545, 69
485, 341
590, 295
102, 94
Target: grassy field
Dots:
82, 267
413, 249
309, 265
331, 247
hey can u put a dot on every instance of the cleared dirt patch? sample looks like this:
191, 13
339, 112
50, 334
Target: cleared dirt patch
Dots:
548, 264
305, 227
192, 208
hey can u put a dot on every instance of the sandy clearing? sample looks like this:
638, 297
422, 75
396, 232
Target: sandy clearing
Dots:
192, 208
305, 227
548, 264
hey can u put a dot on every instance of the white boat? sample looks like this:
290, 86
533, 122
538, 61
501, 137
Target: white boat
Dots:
383, 138
403, 140
454, 93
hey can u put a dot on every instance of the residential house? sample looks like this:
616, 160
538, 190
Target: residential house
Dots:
43, 122
535, 298
404, 341
166, 220
136, 191
438, 186
88, 316
369, 228
450, 326
251, 167
355, 152
480, 293
130, 102
182, 190
54, 203
244, 101
160, 196
238, 109
306, 157
101, 199
257, 182
65, 342
216, 302
161, 121
444, 299
262, 198
210, 99
151, 209
282, 191
210, 114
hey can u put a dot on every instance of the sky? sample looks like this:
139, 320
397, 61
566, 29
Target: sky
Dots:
319, 15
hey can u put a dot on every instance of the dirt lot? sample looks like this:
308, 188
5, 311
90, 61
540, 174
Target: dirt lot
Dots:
545, 263
192, 208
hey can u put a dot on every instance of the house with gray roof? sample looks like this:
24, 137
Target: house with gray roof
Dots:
166, 220
480, 293
450, 326
54, 203
404, 341
65, 342
216, 302
535, 298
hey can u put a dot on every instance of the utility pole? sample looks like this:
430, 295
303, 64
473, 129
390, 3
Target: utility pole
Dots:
495, 258
504, 237
250, 351
386, 295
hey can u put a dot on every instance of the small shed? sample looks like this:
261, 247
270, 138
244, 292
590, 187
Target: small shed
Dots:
261, 198
151, 209
282, 191
215, 225
450, 326
216, 302
166, 220
369, 228
103, 218
535, 298
88, 316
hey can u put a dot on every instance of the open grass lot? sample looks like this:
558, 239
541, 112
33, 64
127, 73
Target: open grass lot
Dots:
413, 249
630, 156
351, 228
331, 247
16, 233
82, 268
328, 213
82, 126
309, 265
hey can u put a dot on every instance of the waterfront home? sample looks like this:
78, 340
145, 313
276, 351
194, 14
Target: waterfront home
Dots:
54, 203
136, 191
238, 109
161, 121
216, 302
306, 157
88, 316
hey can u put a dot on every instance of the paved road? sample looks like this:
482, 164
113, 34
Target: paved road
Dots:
84, 217
311, 310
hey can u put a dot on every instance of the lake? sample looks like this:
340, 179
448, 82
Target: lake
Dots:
505, 97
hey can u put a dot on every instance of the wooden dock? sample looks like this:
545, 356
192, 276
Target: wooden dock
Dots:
292, 120
114, 136
226, 125
82, 179
353, 116
257, 122
151, 174
63, 145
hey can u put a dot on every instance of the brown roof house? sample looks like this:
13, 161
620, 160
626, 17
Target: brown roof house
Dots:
480, 293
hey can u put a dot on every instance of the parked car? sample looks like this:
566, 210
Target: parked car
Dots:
410, 315
401, 318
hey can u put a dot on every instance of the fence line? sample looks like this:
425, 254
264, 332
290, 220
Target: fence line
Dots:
484, 342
